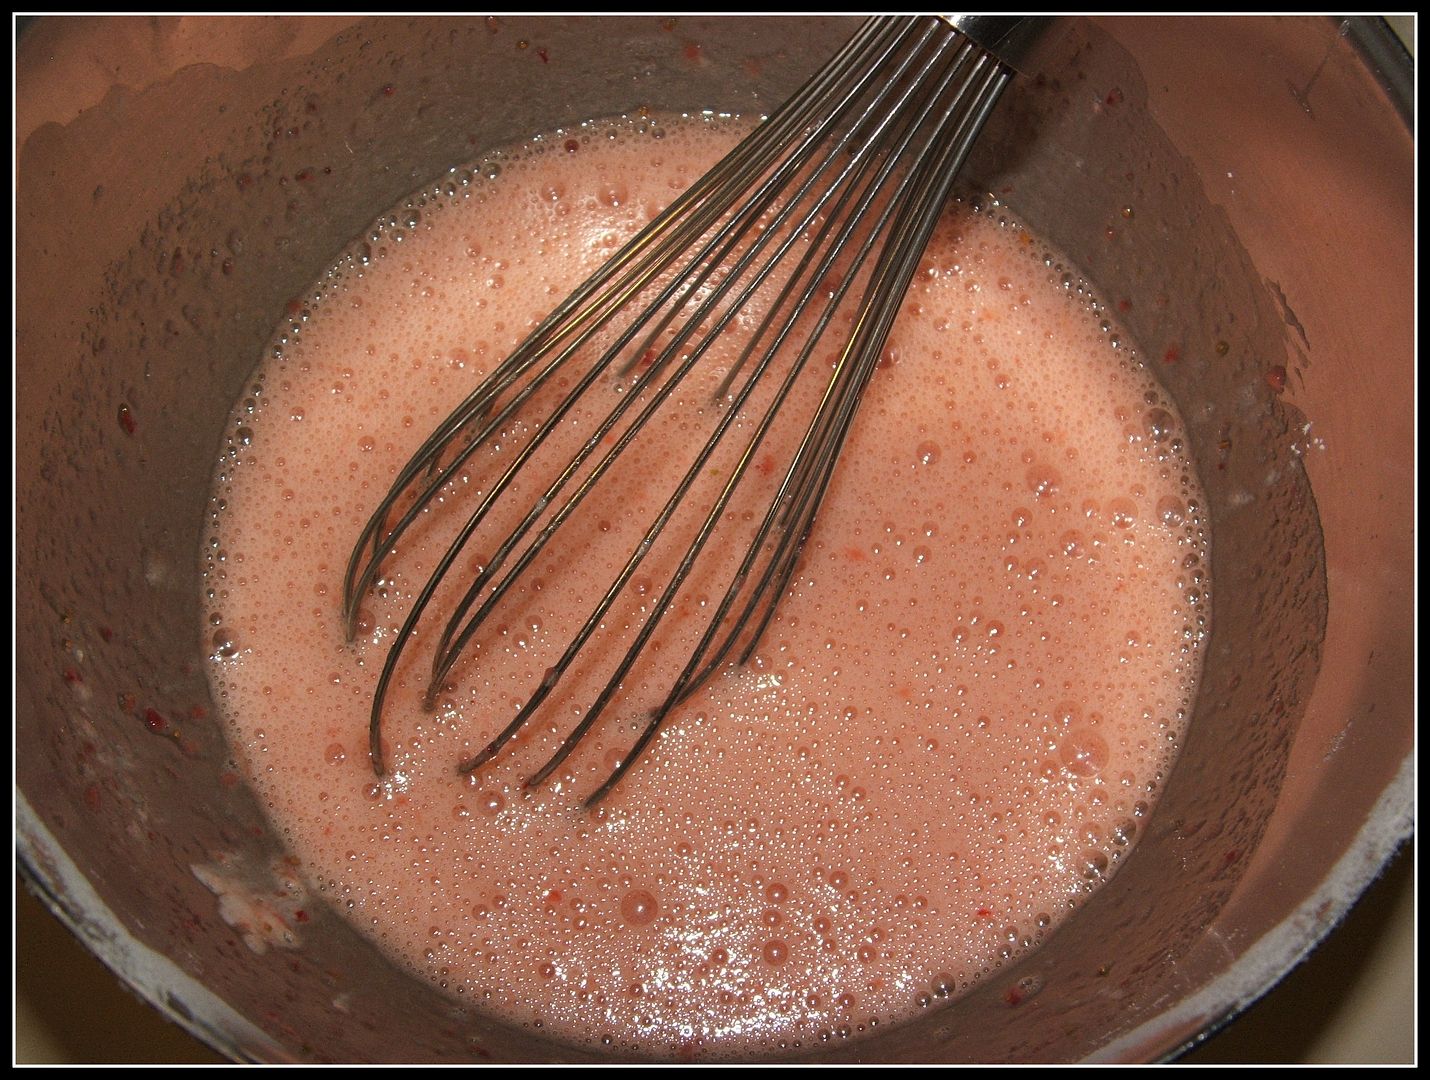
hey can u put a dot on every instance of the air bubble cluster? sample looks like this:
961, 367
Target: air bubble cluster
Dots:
951, 733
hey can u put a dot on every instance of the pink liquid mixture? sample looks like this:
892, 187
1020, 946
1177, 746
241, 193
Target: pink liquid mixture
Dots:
949, 735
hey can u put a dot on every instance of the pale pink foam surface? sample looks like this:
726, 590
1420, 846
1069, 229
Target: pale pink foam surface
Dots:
951, 732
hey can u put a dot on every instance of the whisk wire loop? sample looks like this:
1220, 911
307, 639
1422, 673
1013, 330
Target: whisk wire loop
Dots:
867, 196
737, 238
857, 167
593, 303
854, 169
912, 215
574, 323
883, 298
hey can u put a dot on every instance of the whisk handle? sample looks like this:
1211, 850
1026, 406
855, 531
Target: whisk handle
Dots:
1010, 38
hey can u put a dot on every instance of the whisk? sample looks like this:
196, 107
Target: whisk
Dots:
827, 205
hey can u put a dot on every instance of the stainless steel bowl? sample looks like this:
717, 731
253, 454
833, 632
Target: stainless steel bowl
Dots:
162, 225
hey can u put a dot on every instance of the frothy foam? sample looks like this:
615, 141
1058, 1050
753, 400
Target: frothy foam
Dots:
950, 734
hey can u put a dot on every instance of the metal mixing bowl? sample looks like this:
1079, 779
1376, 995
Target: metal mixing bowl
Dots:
179, 180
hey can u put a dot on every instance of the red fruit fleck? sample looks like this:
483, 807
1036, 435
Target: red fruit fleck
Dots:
72, 676
985, 913
126, 419
197, 712
1172, 355
228, 779
1014, 996
154, 721
692, 51
1276, 378
571, 146
1124, 305
301, 916
244, 181
389, 90
1233, 855
92, 797
541, 52
303, 175
767, 465
855, 554
1114, 96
